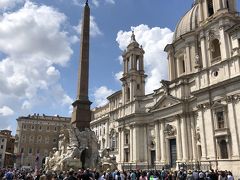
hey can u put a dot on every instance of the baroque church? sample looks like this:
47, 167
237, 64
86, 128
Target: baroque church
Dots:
193, 119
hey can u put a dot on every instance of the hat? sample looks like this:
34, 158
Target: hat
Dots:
189, 172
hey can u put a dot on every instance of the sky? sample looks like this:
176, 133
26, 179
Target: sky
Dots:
39, 50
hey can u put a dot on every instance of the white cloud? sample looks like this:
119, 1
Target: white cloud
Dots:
6, 111
94, 29
110, 1
95, 2
7, 4
118, 76
153, 41
101, 94
34, 43
26, 105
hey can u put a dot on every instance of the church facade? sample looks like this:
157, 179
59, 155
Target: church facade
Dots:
193, 119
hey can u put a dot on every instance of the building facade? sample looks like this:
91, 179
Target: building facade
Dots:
7, 156
193, 119
36, 136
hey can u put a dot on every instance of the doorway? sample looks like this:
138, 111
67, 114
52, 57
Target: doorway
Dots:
153, 157
173, 152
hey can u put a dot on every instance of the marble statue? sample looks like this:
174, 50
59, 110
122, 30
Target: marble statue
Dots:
76, 149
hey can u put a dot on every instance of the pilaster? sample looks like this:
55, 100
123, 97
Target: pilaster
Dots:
234, 129
179, 141
162, 144
157, 139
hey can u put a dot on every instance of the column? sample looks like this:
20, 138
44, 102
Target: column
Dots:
232, 116
223, 43
162, 145
169, 68
201, 12
203, 50
123, 93
205, 9
124, 65
179, 141
120, 147
184, 139
202, 134
136, 143
209, 127
193, 135
188, 63
131, 143
132, 61
141, 68
157, 139
224, 4
132, 90
146, 142
189, 140
178, 68
107, 134
171, 65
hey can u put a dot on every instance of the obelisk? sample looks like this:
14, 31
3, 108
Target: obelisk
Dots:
81, 115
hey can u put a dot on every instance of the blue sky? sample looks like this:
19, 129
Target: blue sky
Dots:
39, 50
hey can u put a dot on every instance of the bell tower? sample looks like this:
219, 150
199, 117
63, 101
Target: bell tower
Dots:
133, 80
210, 7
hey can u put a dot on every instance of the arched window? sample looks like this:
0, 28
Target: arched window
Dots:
223, 149
137, 63
182, 67
215, 49
210, 7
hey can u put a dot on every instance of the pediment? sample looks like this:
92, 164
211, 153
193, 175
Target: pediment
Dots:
165, 102
218, 104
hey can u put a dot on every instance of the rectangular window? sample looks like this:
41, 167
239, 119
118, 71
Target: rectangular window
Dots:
0, 156
220, 119
183, 66
126, 139
2, 140
1, 146
210, 8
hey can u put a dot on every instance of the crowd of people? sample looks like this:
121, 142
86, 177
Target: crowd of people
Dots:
12, 174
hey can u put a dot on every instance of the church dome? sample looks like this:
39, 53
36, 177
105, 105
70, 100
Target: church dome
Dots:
188, 23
